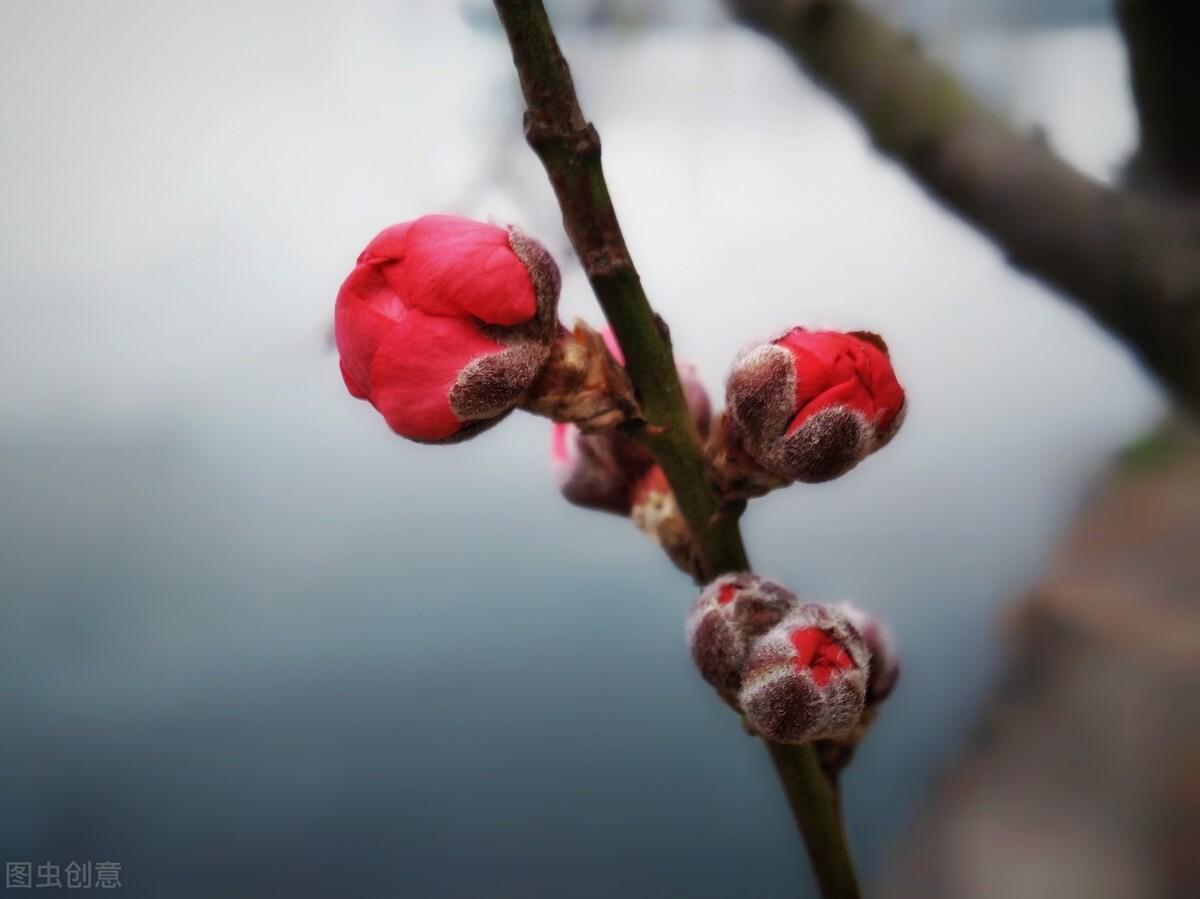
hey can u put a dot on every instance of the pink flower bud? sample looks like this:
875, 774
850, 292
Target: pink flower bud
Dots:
730, 614
806, 679
696, 397
810, 405
445, 323
885, 661
599, 470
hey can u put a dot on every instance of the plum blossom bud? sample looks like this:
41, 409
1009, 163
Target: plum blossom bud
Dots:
730, 614
810, 405
806, 678
445, 323
597, 471
696, 397
600, 470
885, 661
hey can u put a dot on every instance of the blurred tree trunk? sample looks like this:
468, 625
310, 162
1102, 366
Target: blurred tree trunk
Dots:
1083, 777
1164, 73
1129, 258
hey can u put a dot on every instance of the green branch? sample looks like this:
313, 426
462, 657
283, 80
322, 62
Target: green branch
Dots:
569, 148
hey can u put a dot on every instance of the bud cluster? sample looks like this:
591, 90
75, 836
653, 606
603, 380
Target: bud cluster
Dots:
610, 471
797, 671
446, 325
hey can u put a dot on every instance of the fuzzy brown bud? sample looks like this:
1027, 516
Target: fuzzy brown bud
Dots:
729, 615
806, 678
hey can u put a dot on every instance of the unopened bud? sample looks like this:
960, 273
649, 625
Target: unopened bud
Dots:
885, 661
655, 512
696, 397
729, 615
810, 405
597, 471
600, 469
445, 323
806, 678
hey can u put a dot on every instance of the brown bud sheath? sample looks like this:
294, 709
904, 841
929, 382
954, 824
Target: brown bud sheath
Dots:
726, 619
806, 679
583, 384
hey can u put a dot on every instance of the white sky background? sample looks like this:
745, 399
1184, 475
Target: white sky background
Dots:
186, 186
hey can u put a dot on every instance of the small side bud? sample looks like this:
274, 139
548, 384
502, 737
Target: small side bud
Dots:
806, 679
597, 465
729, 615
696, 397
597, 471
810, 405
885, 661
655, 512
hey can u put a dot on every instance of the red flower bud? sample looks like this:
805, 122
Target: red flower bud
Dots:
730, 614
810, 405
806, 678
444, 324
885, 661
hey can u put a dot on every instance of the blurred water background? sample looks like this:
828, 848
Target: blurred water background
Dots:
251, 644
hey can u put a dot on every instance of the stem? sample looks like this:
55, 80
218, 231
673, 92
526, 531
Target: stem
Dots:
1159, 37
814, 801
569, 148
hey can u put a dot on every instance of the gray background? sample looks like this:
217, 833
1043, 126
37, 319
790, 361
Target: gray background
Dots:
251, 644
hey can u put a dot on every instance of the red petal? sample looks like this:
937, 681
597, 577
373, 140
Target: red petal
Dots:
446, 265
366, 311
355, 391
387, 246
416, 367
819, 652
836, 369
562, 441
806, 640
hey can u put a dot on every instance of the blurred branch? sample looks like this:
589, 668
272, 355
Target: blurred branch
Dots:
569, 148
1131, 262
1160, 36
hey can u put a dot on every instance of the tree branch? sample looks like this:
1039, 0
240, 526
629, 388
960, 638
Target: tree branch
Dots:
1132, 263
569, 148
1160, 36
